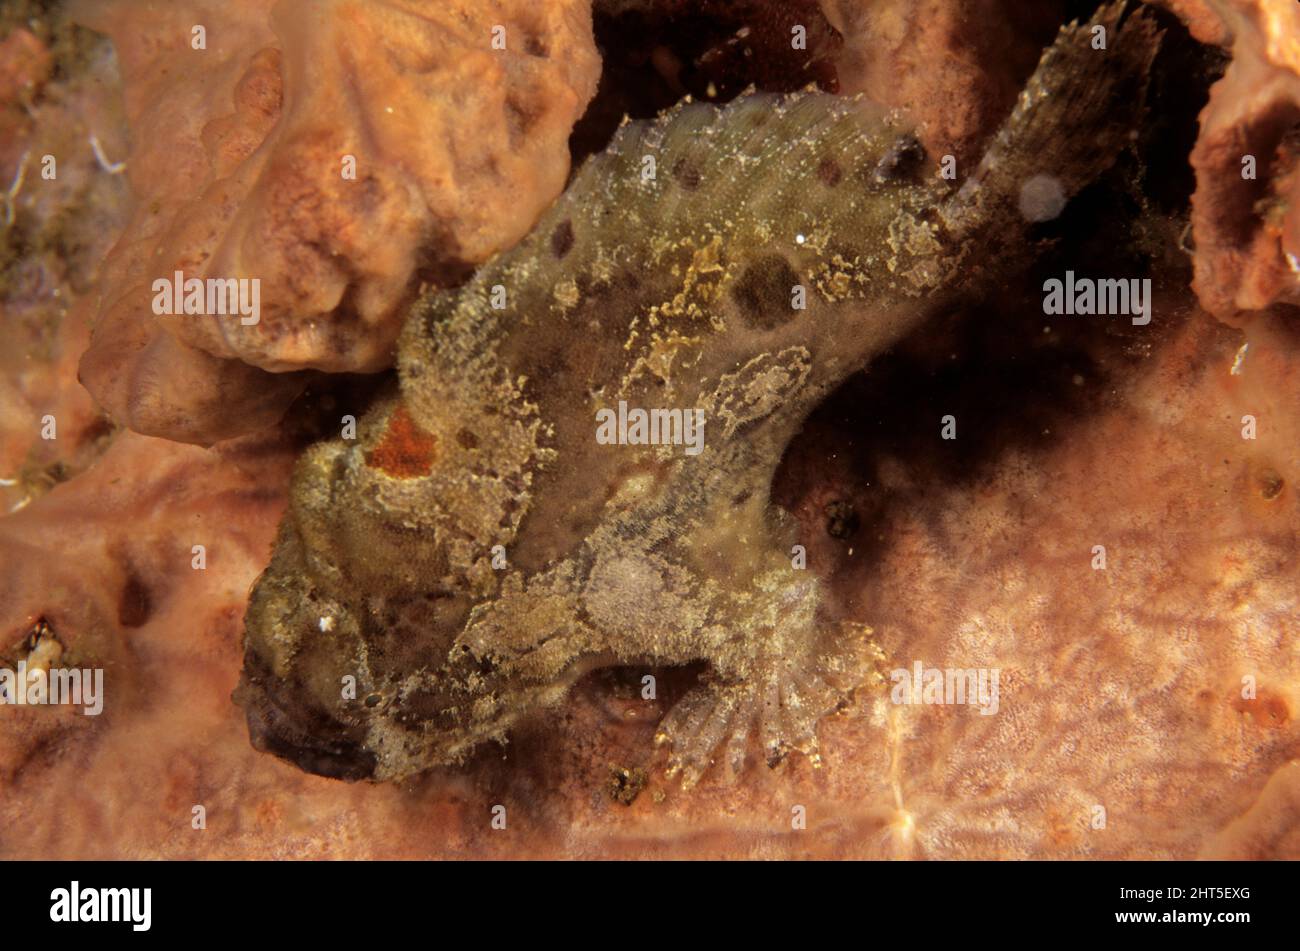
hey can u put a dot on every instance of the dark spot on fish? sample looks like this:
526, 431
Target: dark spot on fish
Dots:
830, 173
764, 291
562, 239
687, 175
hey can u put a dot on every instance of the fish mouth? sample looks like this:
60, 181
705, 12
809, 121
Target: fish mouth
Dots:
282, 721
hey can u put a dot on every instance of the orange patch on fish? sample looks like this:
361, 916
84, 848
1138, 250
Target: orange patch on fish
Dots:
405, 450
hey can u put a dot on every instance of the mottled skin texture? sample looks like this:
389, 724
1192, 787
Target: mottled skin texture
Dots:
670, 292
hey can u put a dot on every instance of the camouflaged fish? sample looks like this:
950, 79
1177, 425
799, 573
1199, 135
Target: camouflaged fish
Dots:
476, 548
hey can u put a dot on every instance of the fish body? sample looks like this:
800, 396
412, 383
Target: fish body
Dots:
574, 470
